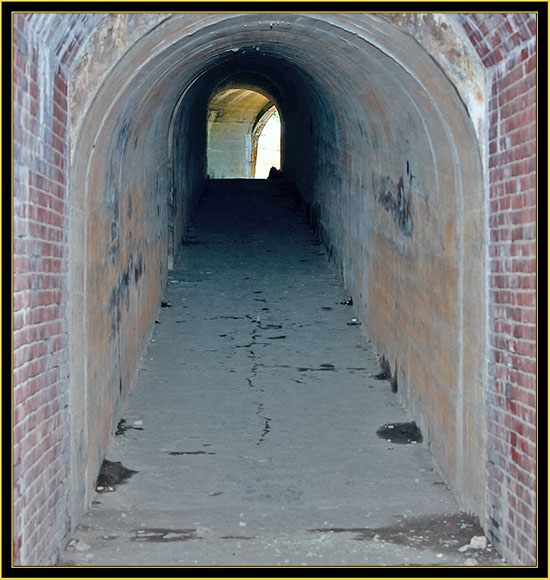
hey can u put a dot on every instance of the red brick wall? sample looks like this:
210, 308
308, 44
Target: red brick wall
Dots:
507, 47
40, 325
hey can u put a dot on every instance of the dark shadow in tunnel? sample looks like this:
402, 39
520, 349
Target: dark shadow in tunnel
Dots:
308, 123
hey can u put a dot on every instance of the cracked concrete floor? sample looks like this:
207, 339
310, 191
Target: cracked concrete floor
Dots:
253, 423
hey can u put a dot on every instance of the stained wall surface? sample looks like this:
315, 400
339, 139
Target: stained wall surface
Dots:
425, 202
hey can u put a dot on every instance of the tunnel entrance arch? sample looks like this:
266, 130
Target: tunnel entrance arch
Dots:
375, 137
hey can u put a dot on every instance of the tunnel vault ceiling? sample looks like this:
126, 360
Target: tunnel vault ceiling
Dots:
189, 45
382, 137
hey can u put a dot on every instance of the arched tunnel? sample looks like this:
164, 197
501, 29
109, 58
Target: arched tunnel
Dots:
384, 139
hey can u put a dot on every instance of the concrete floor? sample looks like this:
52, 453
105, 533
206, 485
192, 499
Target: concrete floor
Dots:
253, 424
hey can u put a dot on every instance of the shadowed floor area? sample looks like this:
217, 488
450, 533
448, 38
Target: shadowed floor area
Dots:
253, 426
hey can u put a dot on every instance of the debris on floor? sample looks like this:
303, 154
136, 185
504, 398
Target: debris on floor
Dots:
401, 433
165, 535
190, 453
122, 427
79, 545
439, 532
111, 474
476, 543
385, 370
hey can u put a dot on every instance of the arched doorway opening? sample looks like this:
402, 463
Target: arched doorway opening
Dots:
266, 143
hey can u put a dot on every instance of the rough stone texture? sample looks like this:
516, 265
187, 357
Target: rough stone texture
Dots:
431, 221
442, 36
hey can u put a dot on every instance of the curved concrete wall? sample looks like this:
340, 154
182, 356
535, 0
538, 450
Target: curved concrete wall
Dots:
384, 136
385, 155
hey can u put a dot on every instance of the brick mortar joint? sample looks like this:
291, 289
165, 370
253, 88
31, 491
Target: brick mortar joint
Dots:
520, 81
503, 467
499, 68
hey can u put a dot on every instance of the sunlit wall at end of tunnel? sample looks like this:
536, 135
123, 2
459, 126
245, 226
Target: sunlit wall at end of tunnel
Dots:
233, 114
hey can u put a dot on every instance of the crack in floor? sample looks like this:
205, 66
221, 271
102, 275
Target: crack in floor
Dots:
252, 385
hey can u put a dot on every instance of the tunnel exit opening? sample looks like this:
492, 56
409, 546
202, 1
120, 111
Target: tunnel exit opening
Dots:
266, 144
243, 134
